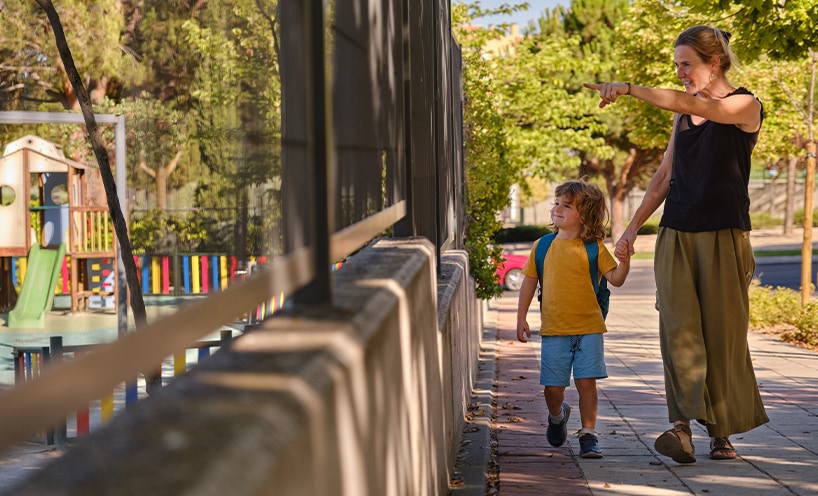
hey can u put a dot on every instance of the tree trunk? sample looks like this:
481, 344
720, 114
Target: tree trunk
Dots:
160, 177
772, 197
161, 189
240, 228
809, 182
789, 208
617, 216
120, 227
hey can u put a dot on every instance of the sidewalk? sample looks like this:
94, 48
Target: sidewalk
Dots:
776, 459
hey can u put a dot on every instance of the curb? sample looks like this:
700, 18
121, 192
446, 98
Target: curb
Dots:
474, 457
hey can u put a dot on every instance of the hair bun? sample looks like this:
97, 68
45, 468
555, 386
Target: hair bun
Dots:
726, 35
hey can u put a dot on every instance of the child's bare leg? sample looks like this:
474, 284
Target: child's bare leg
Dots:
587, 402
554, 396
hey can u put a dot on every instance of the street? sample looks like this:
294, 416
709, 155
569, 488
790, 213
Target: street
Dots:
771, 273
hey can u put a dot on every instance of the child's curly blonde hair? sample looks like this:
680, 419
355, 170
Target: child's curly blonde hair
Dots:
590, 203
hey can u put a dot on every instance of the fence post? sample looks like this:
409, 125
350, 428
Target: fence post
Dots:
56, 356
19, 367
177, 275
319, 130
49, 433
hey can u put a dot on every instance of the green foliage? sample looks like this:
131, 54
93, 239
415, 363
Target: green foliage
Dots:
518, 234
31, 74
763, 220
785, 30
489, 171
147, 232
157, 232
204, 230
783, 88
806, 326
798, 217
776, 307
773, 306
647, 36
651, 226
548, 114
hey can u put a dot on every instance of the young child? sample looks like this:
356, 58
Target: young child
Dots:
572, 320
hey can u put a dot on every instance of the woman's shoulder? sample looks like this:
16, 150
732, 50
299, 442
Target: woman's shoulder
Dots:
741, 90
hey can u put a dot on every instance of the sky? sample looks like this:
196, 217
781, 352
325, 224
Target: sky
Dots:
534, 10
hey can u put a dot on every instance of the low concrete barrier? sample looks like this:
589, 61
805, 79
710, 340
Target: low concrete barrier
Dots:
364, 398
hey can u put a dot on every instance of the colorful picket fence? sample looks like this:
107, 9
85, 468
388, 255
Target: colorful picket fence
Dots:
31, 361
190, 273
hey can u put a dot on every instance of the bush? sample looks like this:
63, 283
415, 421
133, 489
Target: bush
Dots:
762, 220
651, 226
773, 306
520, 234
807, 326
798, 217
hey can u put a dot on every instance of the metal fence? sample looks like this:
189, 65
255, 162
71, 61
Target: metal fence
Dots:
371, 141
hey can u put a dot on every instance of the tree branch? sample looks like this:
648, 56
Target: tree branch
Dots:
791, 96
173, 163
144, 166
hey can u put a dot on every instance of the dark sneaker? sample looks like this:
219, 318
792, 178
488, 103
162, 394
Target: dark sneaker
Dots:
589, 446
557, 432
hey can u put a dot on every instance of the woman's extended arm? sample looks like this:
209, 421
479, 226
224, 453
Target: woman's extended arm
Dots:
741, 110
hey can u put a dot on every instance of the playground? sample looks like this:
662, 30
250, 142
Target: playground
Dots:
59, 279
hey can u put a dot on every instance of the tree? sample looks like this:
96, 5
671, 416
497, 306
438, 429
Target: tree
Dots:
489, 171
628, 164
159, 139
121, 229
782, 87
548, 117
784, 31
237, 114
32, 71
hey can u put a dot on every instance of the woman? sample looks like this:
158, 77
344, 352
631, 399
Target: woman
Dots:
704, 262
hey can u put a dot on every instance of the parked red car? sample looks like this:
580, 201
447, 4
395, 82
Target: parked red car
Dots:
510, 272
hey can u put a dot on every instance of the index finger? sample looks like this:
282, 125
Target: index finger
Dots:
593, 86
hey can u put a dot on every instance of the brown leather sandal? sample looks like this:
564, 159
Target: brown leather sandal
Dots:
722, 449
677, 444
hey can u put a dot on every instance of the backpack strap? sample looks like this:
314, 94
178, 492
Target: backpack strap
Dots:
539, 259
592, 249
542, 248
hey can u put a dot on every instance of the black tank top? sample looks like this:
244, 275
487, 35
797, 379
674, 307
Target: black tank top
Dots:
711, 170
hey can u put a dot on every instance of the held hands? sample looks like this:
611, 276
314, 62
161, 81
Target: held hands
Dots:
523, 331
609, 92
624, 247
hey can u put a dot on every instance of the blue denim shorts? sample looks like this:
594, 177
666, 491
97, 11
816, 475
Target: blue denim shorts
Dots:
584, 353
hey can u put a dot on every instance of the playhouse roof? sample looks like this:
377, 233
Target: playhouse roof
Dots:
45, 148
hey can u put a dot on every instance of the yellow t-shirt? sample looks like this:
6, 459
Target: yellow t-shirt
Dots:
569, 304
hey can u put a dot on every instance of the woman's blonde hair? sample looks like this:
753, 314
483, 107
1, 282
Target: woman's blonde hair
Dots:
708, 41
590, 203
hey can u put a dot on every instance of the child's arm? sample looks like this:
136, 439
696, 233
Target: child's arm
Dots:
618, 275
527, 291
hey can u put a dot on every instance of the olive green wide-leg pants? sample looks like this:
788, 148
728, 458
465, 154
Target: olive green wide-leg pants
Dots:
702, 280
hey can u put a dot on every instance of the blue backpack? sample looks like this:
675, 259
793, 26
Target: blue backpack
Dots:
603, 294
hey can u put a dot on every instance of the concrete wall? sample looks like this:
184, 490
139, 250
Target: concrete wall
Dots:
365, 398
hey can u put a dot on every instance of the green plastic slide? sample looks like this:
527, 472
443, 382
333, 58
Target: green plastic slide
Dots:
37, 295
